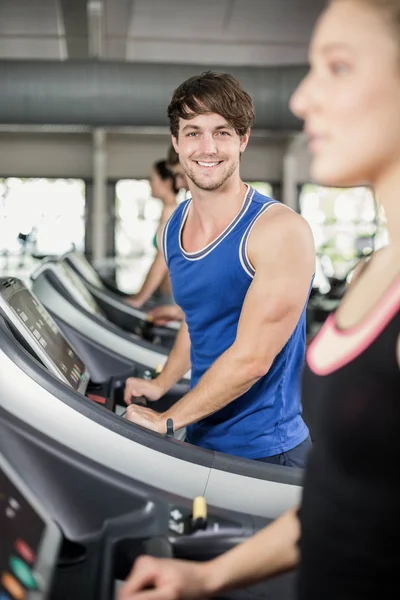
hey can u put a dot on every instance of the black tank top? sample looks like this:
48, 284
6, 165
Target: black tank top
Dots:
350, 513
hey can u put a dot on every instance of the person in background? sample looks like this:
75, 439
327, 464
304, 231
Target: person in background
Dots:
161, 315
181, 182
156, 287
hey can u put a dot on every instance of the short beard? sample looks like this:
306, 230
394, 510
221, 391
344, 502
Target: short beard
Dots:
212, 185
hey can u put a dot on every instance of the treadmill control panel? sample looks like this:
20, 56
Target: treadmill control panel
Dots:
41, 332
29, 541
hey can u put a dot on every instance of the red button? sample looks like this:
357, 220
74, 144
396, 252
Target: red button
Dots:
98, 399
23, 550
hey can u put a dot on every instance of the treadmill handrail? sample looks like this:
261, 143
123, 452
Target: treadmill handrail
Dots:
130, 336
109, 296
137, 350
175, 448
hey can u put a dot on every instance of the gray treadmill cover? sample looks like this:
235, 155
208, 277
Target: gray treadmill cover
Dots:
37, 327
30, 541
78, 288
85, 268
82, 266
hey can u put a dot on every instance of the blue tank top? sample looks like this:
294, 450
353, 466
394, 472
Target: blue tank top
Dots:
210, 286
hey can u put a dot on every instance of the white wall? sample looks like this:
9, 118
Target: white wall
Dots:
51, 155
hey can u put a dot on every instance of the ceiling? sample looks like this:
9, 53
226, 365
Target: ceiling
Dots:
223, 32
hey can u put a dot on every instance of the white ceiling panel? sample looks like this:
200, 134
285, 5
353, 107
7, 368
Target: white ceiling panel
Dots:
281, 21
231, 32
30, 18
178, 18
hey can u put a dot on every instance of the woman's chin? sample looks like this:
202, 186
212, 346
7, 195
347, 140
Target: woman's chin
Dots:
331, 174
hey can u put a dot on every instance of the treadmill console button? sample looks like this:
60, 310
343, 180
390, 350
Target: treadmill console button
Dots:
98, 399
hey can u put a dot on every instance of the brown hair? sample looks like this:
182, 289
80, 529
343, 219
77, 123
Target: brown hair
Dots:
390, 8
210, 92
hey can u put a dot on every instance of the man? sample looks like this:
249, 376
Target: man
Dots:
241, 267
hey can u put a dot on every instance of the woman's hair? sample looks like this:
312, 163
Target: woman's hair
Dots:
165, 174
210, 92
390, 9
172, 157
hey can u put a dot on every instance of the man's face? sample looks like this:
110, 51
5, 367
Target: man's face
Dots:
209, 150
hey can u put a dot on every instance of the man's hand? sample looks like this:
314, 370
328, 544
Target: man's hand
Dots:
169, 580
145, 417
162, 314
135, 387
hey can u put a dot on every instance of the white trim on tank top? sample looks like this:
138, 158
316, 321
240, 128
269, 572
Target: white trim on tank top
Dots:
199, 254
243, 255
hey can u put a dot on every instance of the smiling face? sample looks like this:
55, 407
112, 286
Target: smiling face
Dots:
209, 150
350, 99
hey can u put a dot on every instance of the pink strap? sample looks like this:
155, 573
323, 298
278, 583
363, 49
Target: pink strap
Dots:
333, 348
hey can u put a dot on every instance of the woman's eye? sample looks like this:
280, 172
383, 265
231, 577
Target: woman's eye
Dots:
339, 68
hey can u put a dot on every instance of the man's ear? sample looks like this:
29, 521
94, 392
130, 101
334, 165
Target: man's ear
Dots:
244, 140
175, 143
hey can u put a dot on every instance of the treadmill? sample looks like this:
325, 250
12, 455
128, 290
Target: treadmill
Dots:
72, 528
45, 382
112, 302
106, 348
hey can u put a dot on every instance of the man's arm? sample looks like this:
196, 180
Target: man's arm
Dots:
178, 362
177, 365
282, 251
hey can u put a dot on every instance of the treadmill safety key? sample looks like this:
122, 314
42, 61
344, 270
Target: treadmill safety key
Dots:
199, 514
183, 522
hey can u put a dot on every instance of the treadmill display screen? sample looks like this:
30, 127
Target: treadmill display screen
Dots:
41, 325
22, 531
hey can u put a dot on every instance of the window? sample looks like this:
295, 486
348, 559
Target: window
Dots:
40, 217
263, 187
137, 216
346, 223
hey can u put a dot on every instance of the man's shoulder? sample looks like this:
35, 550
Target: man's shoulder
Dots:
260, 198
281, 227
278, 217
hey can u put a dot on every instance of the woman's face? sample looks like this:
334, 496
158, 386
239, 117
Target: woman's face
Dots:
159, 187
350, 100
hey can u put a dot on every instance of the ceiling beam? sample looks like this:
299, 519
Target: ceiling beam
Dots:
75, 20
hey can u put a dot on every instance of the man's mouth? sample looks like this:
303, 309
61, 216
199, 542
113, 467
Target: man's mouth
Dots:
208, 165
